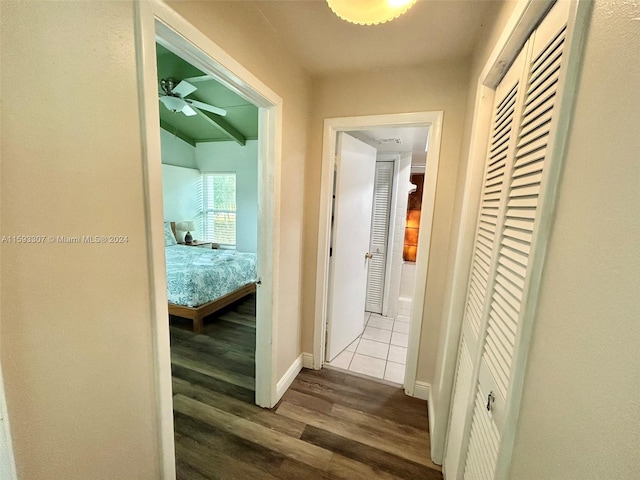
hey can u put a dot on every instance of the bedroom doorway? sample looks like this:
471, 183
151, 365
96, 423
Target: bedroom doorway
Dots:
157, 23
359, 127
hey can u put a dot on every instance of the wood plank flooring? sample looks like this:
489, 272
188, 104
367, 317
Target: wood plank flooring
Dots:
328, 425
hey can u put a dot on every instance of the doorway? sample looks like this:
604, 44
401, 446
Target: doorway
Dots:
375, 326
159, 23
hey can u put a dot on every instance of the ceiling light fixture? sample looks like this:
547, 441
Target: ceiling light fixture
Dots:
369, 12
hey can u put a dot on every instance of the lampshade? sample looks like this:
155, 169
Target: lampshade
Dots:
186, 226
369, 12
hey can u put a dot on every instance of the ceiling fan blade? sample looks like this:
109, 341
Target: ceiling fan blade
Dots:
175, 104
188, 111
202, 78
184, 88
209, 108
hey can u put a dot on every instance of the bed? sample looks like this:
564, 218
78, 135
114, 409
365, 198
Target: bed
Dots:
201, 281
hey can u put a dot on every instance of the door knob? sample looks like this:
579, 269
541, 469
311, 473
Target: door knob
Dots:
368, 255
490, 399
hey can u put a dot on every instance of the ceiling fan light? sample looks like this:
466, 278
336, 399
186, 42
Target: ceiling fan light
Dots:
175, 104
369, 12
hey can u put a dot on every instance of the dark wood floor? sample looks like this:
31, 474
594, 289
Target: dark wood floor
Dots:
328, 425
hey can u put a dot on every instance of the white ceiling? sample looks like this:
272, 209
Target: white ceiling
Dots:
431, 31
405, 139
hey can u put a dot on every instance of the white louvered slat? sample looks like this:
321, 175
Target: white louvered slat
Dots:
379, 235
510, 276
504, 278
528, 169
518, 234
515, 244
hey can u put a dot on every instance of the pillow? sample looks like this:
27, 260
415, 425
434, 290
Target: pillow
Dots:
169, 237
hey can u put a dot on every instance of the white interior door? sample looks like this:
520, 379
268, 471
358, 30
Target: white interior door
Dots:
379, 236
356, 163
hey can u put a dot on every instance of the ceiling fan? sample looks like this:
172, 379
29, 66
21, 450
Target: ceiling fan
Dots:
173, 97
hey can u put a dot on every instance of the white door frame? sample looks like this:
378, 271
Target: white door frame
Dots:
7, 461
332, 126
155, 21
397, 158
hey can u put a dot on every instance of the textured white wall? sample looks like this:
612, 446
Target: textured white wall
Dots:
76, 338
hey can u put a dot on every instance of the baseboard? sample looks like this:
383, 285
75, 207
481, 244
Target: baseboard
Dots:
307, 360
422, 390
287, 379
432, 415
436, 453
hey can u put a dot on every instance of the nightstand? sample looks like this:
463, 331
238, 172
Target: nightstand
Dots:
198, 243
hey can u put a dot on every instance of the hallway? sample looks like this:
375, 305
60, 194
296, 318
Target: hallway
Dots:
328, 425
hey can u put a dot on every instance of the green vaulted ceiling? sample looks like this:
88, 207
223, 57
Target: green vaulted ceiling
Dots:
240, 123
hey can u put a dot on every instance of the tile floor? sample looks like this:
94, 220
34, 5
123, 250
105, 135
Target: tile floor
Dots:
380, 351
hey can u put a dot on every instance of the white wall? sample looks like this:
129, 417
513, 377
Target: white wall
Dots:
226, 157
408, 279
76, 340
396, 229
181, 202
176, 151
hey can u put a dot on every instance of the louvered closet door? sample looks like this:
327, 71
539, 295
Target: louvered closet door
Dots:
502, 141
379, 236
500, 269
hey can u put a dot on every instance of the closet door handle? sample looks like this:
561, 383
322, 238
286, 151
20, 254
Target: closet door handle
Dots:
490, 399
368, 255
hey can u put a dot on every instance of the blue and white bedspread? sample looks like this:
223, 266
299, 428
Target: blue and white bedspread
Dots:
200, 275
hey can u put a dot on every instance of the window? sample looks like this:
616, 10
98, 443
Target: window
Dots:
219, 207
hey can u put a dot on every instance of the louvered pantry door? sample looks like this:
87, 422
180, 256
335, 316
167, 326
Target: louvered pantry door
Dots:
379, 236
510, 278
506, 109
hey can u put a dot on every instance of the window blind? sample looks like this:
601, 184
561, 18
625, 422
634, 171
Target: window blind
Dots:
219, 208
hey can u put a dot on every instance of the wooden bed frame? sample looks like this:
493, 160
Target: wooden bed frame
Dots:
196, 314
